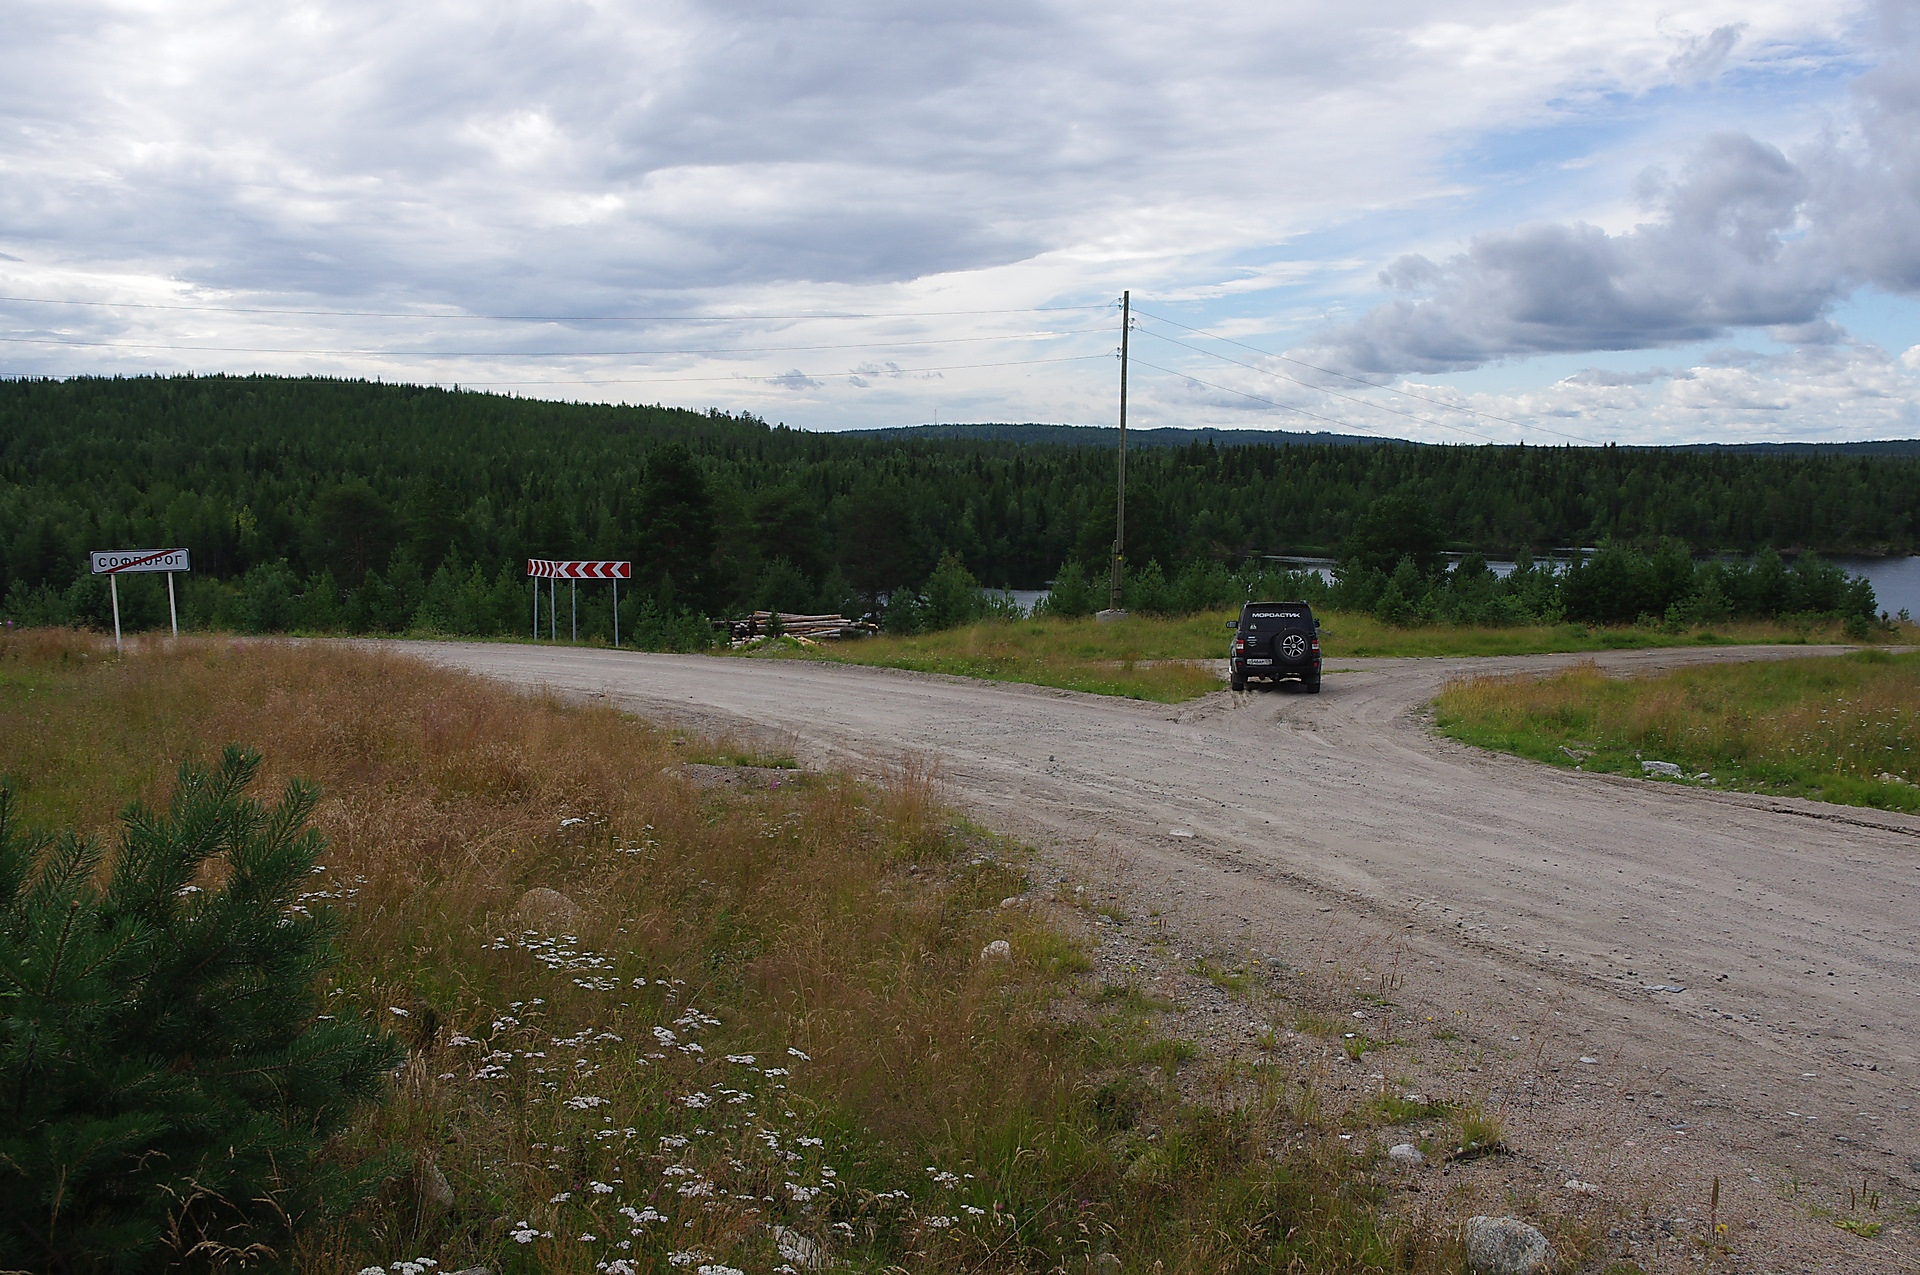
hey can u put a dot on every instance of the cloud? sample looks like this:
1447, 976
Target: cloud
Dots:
693, 157
1745, 236
1704, 56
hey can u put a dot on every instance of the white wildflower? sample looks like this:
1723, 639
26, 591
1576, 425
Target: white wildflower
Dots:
673, 1142
397, 1012
664, 1036
600, 1188
797, 1054
941, 1223
745, 1060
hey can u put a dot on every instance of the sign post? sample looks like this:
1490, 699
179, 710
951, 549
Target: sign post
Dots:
573, 570
115, 563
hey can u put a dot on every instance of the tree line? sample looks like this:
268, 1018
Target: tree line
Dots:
336, 505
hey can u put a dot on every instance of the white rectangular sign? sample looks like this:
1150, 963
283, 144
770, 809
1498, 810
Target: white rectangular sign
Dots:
124, 561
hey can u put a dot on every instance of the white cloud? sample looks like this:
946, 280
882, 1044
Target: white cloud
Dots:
1744, 237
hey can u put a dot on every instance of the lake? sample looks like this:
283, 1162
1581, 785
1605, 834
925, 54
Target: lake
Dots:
1896, 581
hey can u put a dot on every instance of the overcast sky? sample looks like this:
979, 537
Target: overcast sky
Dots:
1690, 220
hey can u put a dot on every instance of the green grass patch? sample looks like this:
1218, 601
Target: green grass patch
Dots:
1843, 729
1149, 657
1401, 1109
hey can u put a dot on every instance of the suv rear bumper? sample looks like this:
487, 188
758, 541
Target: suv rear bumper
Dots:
1240, 666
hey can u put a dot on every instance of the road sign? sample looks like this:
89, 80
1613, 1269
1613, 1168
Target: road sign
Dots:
569, 569
125, 561
573, 569
114, 563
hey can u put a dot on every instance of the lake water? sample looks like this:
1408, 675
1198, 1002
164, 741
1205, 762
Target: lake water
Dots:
1896, 581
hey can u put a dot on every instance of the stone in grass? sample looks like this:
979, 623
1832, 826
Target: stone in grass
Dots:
1506, 1246
540, 908
436, 1193
1662, 768
1405, 1155
798, 1250
998, 950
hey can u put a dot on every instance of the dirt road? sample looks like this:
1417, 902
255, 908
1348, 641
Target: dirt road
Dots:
1661, 983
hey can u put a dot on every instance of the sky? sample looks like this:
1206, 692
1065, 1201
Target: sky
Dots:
1633, 222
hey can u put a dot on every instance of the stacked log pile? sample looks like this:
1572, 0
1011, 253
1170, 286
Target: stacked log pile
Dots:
811, 628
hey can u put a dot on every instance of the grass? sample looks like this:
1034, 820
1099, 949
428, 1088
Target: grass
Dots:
1149, 657
1839, 728
751, 1009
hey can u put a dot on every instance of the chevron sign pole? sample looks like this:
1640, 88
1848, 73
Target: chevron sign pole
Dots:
573, 570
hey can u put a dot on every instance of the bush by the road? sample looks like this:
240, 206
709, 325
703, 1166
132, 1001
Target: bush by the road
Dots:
170, 1079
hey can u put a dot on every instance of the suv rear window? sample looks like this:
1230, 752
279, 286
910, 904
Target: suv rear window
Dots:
1254, 620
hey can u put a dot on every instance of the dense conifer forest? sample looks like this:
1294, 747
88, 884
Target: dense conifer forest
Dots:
345, 504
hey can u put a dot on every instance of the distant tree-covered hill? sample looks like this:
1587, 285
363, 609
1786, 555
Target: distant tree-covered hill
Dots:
363, 482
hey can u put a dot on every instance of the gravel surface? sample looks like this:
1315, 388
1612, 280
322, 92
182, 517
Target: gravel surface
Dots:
1656, 984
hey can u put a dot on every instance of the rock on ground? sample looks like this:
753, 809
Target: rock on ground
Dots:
540, 907
436, 1193
1506, 1246
1406, 1155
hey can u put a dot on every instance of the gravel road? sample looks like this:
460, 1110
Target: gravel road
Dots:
1659, 982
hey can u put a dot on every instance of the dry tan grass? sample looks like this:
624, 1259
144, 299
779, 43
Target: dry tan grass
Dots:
842, 921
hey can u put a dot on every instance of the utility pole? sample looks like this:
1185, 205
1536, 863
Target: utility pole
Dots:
1120, 506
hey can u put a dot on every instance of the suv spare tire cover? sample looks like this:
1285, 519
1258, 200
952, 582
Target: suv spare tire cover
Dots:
1292, 647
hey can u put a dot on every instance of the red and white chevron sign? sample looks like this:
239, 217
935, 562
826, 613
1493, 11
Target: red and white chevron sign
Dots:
558, 569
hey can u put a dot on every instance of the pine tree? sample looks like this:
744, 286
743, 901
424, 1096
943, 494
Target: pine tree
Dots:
167, 1081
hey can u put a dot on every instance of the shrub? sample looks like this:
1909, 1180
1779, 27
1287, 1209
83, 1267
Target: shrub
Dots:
954, 597
1072, 594
169, 1079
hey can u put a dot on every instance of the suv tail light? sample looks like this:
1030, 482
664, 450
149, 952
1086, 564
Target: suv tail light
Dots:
1239, 644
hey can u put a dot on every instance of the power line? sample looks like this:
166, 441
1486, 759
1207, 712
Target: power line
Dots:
550, 318
1360, 380
1282, 376
540, 354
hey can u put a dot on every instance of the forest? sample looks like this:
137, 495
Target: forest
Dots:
343, 505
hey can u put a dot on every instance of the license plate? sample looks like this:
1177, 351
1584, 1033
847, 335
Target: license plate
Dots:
1257, 662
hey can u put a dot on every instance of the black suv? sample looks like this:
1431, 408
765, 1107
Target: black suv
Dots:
1279, 641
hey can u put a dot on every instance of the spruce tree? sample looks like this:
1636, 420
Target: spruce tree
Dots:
167, 1080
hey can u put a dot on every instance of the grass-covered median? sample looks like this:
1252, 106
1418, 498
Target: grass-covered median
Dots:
656, 1023
1840, 728
1150, 657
